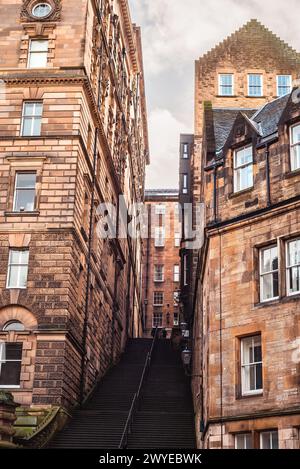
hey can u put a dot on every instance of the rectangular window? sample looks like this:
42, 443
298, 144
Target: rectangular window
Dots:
176, 297
159, 241
243, 441
10, 364
158, 298
255, 85
176, 319
157, 320
243, 168
17, 268
295, 147
293, 267
24, 195
269, 274
159, 273
31, 119
177, 240
160, 209
226, 84
176, 273
38, 53
269, 440
185, 270
251, 365
284, 84
184, 183
185, 151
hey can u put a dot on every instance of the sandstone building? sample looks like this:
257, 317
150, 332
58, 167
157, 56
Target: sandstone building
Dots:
245, 286
161, 262
73, 135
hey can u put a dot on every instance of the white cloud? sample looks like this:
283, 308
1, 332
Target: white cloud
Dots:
175, 33
164, 149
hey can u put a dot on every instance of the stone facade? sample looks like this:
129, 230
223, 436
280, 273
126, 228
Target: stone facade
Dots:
239, 225
83, 294
161, 289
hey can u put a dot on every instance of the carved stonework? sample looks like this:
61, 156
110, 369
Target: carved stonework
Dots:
28, 5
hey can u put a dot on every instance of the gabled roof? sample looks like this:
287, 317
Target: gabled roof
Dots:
269, 115
262, 35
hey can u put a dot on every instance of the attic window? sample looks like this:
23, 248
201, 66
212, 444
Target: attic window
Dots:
255, 85
226, 84
284, 84
243, 168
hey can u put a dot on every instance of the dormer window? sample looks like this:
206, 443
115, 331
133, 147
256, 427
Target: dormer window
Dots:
226, 84
295, 147
243, 168
255, 85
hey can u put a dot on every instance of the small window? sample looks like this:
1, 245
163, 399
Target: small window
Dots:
284, 84
160, 209
158, 298
243, 441
269, 274
177, 240
243, 168
176, 273
31, 119
157, 320
295, 147
17, 269
159, 237
251, 365
13, 326
255, 85
38, 53
293, 267
176, 319
185, 151
10, 364
226, 84
41, 10
24, 195
269, 440
184, 183
176, 297
158, 273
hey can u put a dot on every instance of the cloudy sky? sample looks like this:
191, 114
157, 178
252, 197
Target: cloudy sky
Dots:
175, 33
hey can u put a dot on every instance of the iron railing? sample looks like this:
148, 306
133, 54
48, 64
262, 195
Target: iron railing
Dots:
136, 397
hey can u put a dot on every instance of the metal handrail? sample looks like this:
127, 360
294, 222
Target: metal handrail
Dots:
129, 420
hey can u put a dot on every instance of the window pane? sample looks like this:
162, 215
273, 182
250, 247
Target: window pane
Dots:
38, 60
24, 200
243, 441
39, 45
269, 259
27, 126
296, 134
13, 351
284, 85
295, 157
294, 279
10, 373
258, 376
36, 128
26, 180
226, 84
255, 85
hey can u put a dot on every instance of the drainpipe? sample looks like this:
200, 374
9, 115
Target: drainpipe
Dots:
267, 153
88, 280
116, 278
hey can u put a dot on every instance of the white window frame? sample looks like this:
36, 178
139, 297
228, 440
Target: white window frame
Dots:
162, 272
31, 53
246, 434
4, 360
155, 294
245, 365
220, 84
292, 146
185, 183
271, 433
161, 321
277, 85
261, 85
176, 271
160, 237
177, 239
34, 117
241, 167
20, 265
16, 190
263, 274
290, 267
185, 151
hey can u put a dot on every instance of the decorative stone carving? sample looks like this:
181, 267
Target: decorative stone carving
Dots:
7, 419
28, 5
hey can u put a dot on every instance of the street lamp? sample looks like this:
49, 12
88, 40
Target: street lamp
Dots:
186, 356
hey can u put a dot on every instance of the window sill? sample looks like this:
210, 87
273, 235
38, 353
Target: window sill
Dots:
244, 191
256, 97
272, 302
35, 213
227, 96
291, 174
247, 396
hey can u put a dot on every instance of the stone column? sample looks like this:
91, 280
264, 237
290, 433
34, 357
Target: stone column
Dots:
7, 419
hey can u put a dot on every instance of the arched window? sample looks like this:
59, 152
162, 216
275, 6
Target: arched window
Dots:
13, 326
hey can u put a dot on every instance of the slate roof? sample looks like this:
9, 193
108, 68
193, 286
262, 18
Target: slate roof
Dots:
223, 121
269, 115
